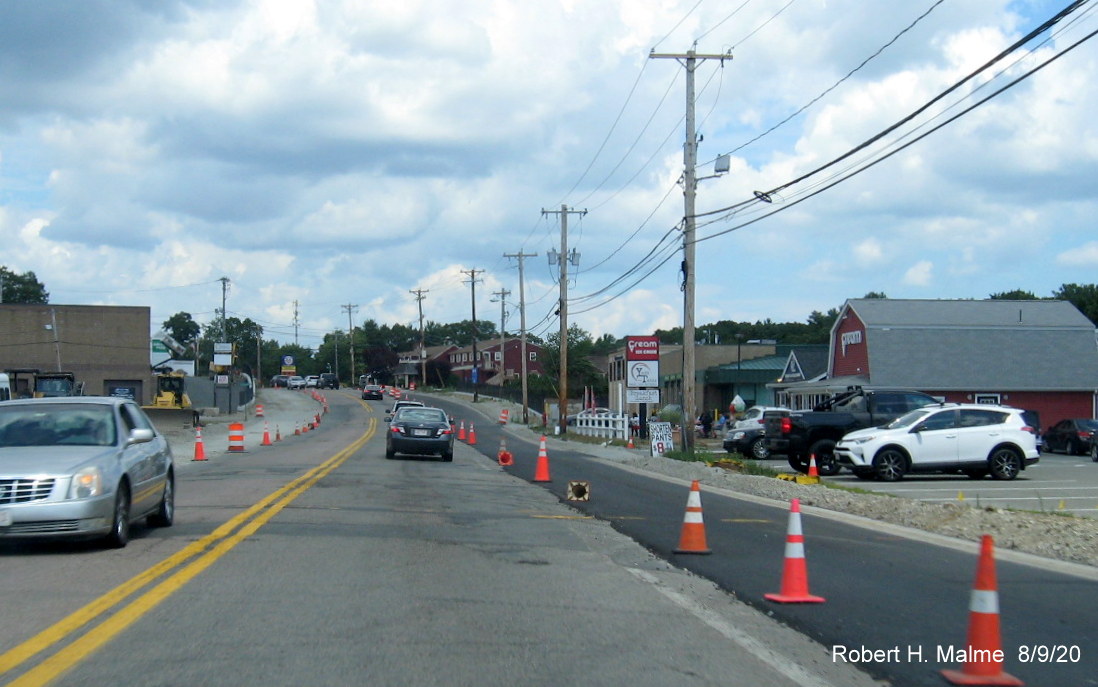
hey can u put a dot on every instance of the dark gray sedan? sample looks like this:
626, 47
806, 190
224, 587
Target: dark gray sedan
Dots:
82, 467
420, 431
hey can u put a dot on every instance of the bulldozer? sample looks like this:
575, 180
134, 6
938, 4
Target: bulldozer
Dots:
171, 400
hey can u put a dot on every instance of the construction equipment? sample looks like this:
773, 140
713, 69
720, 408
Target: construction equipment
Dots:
51, 384
171, 400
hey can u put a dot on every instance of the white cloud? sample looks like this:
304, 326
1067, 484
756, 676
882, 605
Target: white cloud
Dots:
919, 274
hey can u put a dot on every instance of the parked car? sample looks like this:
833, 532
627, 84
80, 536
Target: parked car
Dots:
280, 381
295, 382
975, 440
420, 430
328, 380
82, 467
311, 381
751, 442
1072, 437
372, 391
753, 417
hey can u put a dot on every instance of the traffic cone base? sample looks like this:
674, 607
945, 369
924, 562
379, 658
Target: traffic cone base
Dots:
504, 456
983, 647
692, 537
795, 571
541, 472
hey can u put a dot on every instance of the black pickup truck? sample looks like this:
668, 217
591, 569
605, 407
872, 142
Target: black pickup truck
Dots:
800, 434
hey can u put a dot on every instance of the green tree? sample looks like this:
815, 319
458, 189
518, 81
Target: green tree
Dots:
581, 369
1015, 295
21, 288
1082, 296
182, 327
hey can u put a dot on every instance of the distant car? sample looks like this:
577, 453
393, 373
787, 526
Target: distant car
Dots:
328, 380
751, 442
753, 417
280, 381
372, 391
295, 382
420, 430
975, 440
311, 381
1072, 437
402, 404
82, 467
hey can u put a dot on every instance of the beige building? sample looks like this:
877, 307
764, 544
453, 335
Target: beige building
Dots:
106, 347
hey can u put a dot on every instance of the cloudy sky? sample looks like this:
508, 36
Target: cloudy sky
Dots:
345, 152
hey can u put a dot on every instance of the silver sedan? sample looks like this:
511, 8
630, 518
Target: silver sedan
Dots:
82, 467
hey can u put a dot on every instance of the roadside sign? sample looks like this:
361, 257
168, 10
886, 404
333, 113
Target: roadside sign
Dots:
642, 373
660, 435
642, 395
642, 348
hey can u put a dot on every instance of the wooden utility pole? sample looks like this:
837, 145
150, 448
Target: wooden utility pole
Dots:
563, 259
351, 328
422, 349
502, 295
476, 360
690, 184
522, 325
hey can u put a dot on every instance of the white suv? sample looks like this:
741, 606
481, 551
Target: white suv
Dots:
972, 439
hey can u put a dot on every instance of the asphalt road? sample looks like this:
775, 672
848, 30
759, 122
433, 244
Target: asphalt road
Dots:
316, 561
885, 587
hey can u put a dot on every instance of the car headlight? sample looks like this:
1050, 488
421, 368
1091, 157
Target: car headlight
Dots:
738, 436
860, 440
86, 483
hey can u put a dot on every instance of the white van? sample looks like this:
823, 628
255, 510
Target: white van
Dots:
5, 387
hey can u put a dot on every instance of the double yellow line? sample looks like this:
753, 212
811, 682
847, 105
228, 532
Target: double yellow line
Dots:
205, 552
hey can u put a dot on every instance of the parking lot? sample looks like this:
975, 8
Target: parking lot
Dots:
1068, 484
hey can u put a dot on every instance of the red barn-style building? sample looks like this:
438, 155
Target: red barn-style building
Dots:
1035, 354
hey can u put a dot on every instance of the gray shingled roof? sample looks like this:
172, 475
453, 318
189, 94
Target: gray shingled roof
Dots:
965, 345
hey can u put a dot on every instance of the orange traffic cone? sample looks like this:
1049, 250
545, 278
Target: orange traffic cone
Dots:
316, 423
813, 469
630, 444
199, 448
795, 572
472, 435
692, 539
278, 434
984, 647
541, 472
304, 427
461, 431
266, 434
297, 430
504, 456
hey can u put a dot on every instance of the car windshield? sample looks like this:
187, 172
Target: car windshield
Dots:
909, 419
421, 415
68, 425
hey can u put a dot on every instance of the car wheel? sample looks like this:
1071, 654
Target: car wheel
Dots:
975, 473
390, 453
824, 450
120, 526
1004, 464
165, 514
448, 456
890, 465
1073, 448
1094, 452
799, 464
758, 449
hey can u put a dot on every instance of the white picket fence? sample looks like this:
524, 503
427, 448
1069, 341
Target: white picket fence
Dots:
606, 426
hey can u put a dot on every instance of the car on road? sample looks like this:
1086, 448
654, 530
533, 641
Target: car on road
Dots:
311, 381
372, 392
754, 416
1072, 436
975, 440
328, 380
82, 467
751, 442
420, 430
295, 382
280, 381
402, 404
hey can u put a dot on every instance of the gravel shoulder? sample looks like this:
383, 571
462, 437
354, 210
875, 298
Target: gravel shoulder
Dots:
1047, 535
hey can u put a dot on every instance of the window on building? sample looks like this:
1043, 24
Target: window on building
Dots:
498, 356
533, 355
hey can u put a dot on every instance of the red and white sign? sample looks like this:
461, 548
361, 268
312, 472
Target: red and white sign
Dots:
642, 348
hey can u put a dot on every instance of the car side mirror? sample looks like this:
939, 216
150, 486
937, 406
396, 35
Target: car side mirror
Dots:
388, 418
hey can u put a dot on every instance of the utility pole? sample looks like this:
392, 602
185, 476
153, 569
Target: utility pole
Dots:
295, 323
422, 348
522, 326
689, 183
563, 259
224, 322
351, 328
501, 296
476, 361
